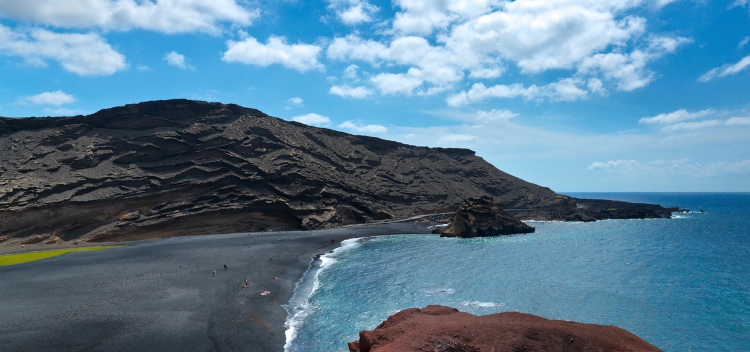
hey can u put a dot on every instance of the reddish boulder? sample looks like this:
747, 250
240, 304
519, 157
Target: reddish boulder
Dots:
440, 328
480, 217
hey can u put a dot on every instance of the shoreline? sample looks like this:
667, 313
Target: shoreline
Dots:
160, 294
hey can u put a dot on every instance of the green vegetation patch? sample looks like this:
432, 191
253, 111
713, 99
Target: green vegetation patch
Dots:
18, 258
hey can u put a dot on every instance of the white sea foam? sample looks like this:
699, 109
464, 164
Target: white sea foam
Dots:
299, 306
438, 291
482, 304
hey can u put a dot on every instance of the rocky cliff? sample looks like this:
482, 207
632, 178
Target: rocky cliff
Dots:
181, 167
480, 217
440, 328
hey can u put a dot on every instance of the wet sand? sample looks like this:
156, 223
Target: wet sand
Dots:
160, 295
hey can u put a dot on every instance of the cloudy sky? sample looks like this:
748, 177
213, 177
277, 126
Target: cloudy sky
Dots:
576, 95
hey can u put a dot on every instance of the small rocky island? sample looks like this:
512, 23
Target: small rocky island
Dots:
480, 217
441, 328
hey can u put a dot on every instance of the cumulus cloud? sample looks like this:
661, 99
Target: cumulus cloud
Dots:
351, 72
613, 164
600, 42
726, 70
629, 70
495, 115
743, 42
166, 16
684, 167
346, 91
567, 89
427, 64
353, 12
675, 116
312, 119
177, 60
455, 137
692, 125
421, 17
55, 98
63, 112
301, 57
359, 127
296, 101
82, 54
738, 121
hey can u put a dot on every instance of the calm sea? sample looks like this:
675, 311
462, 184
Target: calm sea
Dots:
682, 284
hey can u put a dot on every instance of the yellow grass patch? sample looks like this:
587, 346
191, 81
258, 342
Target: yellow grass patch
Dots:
18, 258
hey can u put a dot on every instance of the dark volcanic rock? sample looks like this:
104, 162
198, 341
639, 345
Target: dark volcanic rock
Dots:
480, 217
181, 167
440, 328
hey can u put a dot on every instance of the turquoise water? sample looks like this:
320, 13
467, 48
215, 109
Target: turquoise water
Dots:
682, 284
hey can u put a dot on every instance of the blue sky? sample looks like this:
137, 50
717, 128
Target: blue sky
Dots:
575, 95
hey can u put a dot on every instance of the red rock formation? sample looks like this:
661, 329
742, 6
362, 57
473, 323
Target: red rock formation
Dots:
440, 328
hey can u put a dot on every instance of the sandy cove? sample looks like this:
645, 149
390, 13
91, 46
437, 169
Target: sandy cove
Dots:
160, 295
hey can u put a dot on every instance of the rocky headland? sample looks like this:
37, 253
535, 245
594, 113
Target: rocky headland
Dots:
440, 328
182, 167
480, 217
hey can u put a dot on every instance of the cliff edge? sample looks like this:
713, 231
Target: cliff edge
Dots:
441, 328
182, 167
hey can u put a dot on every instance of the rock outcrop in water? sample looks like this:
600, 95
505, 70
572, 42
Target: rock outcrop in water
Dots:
181, 167
480, 217
440, 328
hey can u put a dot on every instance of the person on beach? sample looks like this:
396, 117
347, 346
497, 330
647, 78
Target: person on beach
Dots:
214, 273
225, 267
245, 284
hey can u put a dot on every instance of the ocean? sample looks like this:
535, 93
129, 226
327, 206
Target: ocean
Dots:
682, 284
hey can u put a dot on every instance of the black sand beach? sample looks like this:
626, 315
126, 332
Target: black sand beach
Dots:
160, 295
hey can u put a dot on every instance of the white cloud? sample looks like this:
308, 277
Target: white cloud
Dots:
301, 57
296, 101
495, 115
563, 90
389, 83
351, 72
350, 92
629, 70
82, 54
676, 116
453, 138
177, 60
683, 167
479, 39
358, 127
616, 164
726, 70
353, 12
743, 42
428, 64
55, 98
738, 121
166, 16
421, 17
539, 35
63, 112
312, 119
692, 125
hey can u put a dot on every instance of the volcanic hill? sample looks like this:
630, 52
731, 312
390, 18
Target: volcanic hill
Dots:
181, 167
